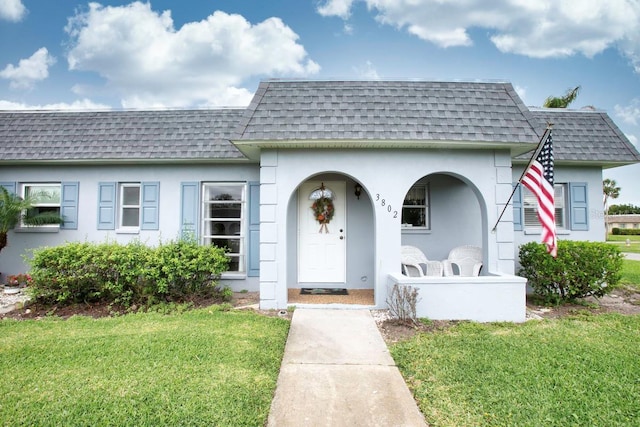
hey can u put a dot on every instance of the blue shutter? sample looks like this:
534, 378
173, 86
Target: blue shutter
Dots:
10, 186
69, 205
189, 209
517, 209
578, 206
106, 205
150, 206
253, 257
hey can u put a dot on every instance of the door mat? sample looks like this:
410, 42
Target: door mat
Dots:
323, 291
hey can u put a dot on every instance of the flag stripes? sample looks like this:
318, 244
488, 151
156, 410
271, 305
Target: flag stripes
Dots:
539, 179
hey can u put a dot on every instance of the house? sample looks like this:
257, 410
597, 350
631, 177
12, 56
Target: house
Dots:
427, 164
630, 221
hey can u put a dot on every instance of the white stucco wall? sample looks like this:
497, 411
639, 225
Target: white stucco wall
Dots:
169, 176
386, 176
563, 175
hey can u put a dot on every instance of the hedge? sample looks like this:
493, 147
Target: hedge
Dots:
126, 274
625, 231
581, 269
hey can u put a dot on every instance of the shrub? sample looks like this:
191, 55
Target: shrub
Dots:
625, 231
581, 269
126, 274
402, 302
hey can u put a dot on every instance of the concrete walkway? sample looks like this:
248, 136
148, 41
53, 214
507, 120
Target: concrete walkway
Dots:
337, 371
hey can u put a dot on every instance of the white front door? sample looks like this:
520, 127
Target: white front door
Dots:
321, 249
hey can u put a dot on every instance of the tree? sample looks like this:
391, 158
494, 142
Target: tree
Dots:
563, 101
611, 191
627, 209
14, 209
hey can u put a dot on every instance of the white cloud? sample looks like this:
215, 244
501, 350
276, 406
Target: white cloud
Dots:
12, 10
150, 63
367, 72
30, 70
340, 8
540, 29
629, 113
82, 104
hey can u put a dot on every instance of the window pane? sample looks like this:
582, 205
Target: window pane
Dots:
44, 194
130, 195
224, 192
414, 216
130, 217
416, 196
225, 210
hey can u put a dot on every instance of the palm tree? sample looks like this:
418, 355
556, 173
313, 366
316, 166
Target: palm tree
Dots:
14, 209
563, 101
610, 190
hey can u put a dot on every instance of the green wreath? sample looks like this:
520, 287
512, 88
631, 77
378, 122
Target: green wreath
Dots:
323, 210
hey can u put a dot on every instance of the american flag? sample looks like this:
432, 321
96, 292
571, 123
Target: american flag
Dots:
539, 179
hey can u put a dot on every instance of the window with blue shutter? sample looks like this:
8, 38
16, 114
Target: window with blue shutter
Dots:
189, 209
69, 205
106, 205
150, 206
578, 205
253, 257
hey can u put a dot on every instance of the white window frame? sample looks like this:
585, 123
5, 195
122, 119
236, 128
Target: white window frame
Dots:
23, 192
122, 206
231, 228
530, 206
425, 206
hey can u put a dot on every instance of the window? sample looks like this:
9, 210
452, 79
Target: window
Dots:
129, 206
223, 215
530, 203
46, 199
415, 209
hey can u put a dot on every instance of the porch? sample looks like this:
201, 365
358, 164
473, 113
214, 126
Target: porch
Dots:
489, 298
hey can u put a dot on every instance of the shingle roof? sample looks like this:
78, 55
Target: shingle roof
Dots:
585, 136
119, 135
386, 110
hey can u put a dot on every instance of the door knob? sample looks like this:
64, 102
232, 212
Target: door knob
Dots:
341, 237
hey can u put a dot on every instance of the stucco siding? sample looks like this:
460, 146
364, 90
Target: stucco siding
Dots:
169, 178
592, 176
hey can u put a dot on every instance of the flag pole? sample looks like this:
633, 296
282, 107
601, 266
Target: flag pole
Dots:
524, 171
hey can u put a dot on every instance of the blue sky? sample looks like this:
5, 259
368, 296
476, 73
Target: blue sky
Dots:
69, 54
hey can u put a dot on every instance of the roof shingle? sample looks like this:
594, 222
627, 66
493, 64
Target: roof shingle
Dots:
119, 135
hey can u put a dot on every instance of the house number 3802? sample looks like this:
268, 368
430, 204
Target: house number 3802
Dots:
384, 204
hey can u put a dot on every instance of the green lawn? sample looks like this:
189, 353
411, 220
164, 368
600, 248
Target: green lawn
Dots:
621, 242
631, 273
205, 367
580, 371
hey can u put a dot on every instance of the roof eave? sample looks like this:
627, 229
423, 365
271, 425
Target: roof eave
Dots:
252, 148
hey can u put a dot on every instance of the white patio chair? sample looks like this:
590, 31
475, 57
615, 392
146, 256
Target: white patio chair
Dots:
416, 264
467, 260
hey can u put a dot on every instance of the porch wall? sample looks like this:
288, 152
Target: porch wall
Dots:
482, 299
386, 176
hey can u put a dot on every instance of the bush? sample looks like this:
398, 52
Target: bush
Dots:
126, 274
581, 269
625, 231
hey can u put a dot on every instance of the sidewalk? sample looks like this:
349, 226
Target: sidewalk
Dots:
337, 371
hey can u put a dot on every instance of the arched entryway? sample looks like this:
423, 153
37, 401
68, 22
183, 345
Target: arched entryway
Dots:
442, 211
332, 253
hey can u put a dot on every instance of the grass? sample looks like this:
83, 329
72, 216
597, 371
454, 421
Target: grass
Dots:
620, 241
204, 367
631, 273
582, 370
